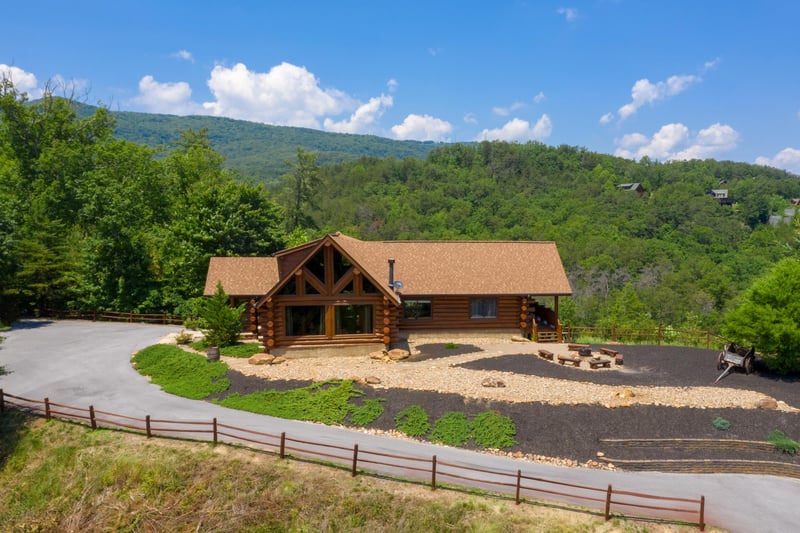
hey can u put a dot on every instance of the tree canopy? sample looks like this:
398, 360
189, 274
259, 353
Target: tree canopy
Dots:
768, 317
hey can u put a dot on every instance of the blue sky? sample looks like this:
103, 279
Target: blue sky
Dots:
667, 79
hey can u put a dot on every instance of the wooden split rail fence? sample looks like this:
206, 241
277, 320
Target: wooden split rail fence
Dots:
637, 505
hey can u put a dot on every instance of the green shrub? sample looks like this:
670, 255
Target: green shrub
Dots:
241, 349
413, 421
367, 413
721, 424
327, 402
783, 443
182, 373
221, 324
184, 337
490, 429
452, 429
451, 345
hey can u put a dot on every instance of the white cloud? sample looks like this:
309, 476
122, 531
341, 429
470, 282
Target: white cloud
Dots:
711, 140
608, 117
363, 119
470, 118
519, 130
674, 141
392, 85
24, 82
786, 159
505, 111
711, 65
645, 92
539, 98
287, 95
570, 13
171, 98
184, 55
423, 128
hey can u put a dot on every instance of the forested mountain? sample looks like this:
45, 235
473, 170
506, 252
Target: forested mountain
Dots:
673, 255
259, 151
90, 220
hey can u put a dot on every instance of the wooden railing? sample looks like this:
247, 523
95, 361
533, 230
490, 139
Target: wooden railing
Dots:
397, 466
658, 335
115, 316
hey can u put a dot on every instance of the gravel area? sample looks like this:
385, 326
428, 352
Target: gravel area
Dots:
561, 412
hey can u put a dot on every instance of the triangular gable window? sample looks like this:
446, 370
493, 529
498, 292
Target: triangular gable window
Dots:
316, 265
290, 288
367, 287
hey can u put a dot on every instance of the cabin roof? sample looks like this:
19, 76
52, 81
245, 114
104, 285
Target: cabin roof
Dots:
425, 268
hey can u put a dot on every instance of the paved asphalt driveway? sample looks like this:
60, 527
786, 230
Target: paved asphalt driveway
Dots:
83, 363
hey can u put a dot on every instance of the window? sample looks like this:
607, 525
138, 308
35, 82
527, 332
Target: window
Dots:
304, 320
483, 308
417, 309
352, 319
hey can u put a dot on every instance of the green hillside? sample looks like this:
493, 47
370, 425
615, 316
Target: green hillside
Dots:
259, 150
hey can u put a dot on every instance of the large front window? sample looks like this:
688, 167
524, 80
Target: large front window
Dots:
305, 320
483, 308
352, 319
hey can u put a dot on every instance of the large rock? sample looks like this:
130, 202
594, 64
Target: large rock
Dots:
379, 354
278, 360
398, 354
768, 404
372, 380
261, 359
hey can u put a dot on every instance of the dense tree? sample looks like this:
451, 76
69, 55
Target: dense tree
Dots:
768, 317
300, 188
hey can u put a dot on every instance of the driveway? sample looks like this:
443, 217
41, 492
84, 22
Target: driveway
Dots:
84, 363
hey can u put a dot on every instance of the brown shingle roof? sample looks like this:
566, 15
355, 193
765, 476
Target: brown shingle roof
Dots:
462, 267
424, 267
242, 276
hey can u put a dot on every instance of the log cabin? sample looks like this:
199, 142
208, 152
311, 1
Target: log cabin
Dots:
338, 292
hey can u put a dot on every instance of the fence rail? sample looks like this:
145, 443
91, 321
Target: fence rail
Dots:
115, 316
658, 335
400, 467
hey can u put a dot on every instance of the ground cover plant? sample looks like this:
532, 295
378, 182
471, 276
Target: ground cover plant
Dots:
239, 349
783, 443
180, 372
328, 402
57, 476
413, 421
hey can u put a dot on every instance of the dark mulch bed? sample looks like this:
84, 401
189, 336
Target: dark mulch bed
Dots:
574, 432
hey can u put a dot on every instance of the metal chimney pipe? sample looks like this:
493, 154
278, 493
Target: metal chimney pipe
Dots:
391, 273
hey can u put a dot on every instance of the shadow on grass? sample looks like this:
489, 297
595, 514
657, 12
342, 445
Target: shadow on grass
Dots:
13, 425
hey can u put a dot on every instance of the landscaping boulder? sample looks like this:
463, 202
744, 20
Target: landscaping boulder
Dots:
372, 380
261, 359
278, 360
768, 404
398, 354
379, 354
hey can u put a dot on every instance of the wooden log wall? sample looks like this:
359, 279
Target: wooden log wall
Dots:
453, 312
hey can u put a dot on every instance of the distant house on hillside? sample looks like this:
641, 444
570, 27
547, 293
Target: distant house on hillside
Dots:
721, 195
338, 291
786, 218
633, 187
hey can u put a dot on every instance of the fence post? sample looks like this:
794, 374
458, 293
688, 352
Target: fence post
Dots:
283, 445
130, 317
91, 417
608, 503
355, 459
708, 339
433, 473
215, 431
147, 426
702, 523
519, 481
659, 334
2, 402
47, 408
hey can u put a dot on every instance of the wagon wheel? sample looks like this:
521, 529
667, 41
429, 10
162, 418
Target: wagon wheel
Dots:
748, 364
721, 364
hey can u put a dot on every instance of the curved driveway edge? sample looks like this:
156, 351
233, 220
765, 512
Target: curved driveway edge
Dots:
88, 363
